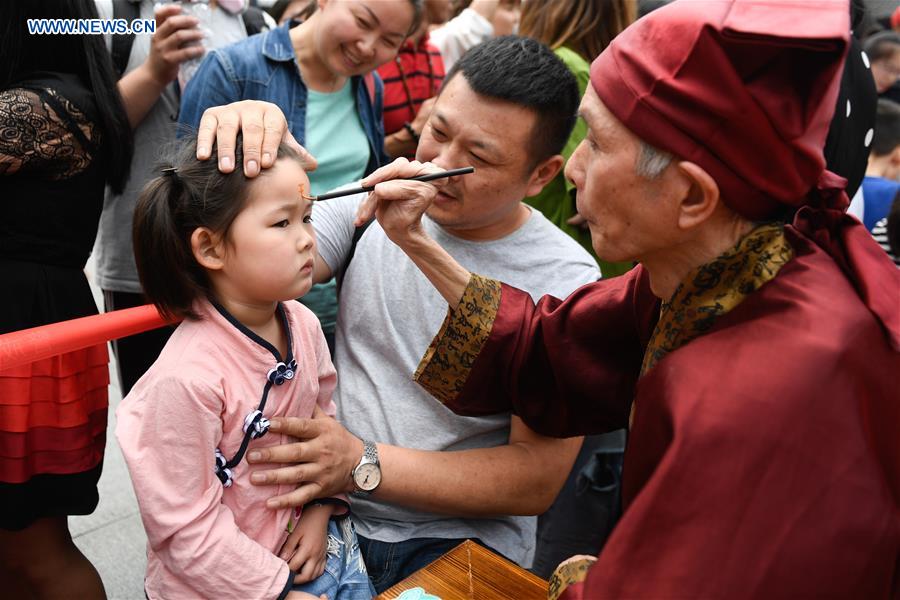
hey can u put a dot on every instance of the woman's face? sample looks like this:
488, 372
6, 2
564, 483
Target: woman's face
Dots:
354, 37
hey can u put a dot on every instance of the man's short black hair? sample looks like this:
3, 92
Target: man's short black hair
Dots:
524, 71
887, 127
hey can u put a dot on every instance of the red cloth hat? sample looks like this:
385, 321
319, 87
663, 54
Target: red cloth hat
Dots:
746, 89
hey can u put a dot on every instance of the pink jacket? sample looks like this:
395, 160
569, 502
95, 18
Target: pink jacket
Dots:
205, 540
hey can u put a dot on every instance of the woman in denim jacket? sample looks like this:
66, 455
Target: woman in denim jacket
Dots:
321, 73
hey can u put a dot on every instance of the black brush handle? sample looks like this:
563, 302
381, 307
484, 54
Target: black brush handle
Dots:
427, 177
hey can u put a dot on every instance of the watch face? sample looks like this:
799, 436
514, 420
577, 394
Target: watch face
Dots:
367, 477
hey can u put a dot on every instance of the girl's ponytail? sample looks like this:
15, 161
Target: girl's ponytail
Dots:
166, 266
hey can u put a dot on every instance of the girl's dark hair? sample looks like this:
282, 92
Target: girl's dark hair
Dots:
23, 55
187, 194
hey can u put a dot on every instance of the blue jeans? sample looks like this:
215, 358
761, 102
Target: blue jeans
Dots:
345, 576
392, 562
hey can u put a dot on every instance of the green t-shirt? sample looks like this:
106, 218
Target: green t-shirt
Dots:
335, 136
557, 200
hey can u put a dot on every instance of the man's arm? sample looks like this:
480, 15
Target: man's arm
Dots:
521, 478
321, 271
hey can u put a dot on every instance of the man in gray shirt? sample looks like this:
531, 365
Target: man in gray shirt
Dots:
507, 108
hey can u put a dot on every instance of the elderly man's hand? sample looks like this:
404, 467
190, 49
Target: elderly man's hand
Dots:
320, 463
264, 128
398, 204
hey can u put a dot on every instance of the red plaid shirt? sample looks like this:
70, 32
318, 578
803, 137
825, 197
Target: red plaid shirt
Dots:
422, 68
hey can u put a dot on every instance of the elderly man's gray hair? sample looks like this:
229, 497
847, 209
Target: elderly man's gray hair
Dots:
651, 161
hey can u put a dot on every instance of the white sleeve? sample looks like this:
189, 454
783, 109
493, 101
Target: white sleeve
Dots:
459, 34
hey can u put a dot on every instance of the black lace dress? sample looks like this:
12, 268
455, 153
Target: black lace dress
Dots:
52, 412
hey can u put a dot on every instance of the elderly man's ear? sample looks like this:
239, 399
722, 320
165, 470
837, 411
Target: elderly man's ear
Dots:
700, 198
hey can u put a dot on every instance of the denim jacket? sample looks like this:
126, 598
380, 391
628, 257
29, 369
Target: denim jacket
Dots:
263, 67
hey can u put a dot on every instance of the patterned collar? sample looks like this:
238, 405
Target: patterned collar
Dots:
716, 288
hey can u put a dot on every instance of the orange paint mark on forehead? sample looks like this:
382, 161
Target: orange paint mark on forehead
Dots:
305, 199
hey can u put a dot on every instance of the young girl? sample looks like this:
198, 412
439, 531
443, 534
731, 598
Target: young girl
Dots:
229, 255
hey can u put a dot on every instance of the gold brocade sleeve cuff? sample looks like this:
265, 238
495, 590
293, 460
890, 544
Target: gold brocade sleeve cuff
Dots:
571, 570
446, 365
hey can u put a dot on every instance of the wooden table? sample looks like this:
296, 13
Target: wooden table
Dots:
471, 572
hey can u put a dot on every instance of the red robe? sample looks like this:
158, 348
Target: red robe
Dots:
764, 456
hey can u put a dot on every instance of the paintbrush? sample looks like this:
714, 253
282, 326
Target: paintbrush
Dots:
360, 190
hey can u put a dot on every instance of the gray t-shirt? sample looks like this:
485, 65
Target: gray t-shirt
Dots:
116, 270
388, 315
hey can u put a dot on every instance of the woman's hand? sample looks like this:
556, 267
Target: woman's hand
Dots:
174, 41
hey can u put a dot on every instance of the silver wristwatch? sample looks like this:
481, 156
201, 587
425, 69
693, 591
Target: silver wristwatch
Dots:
367, 474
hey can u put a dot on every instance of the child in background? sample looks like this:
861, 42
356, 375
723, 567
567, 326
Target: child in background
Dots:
229, 255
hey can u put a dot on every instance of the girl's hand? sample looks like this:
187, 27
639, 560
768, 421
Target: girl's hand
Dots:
305, 548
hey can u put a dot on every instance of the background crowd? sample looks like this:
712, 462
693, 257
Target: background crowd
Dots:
85, 121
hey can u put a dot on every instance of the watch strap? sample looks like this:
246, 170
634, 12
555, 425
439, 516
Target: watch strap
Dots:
370, 453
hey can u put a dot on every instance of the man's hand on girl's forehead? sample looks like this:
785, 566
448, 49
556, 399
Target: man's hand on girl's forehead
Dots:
263, 126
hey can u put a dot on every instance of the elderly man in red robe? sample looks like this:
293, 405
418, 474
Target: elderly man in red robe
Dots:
755, 362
